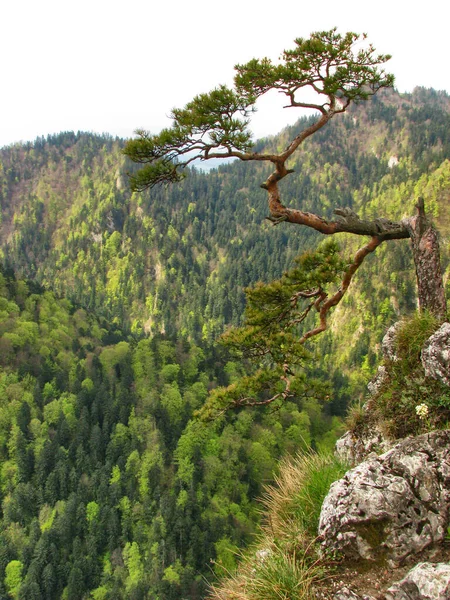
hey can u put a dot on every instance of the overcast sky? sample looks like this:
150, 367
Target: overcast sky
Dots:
113, 66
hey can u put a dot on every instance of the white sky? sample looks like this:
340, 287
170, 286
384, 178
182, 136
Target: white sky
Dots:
112, 66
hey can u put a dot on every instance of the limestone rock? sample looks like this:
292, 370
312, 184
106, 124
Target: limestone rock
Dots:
425, 582
436, 355
346, 594
353, 449
375, 384
388, 343
393, 161
393, 505
389, 354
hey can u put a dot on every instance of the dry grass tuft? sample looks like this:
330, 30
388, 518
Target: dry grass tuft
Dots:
284, 564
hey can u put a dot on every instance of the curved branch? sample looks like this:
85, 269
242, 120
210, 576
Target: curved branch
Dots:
324, 305
301, 137
286, 393
347, 220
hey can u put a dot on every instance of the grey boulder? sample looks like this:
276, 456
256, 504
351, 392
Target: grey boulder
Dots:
391, 506
425, 582
436, 355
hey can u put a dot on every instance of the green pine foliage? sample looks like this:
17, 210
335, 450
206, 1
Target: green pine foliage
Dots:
272, 340
215, 125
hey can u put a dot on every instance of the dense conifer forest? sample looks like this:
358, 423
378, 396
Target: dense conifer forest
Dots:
110, 307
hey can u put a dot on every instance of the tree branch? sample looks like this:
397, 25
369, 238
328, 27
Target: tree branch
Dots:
347, 220
324, 305
286, 393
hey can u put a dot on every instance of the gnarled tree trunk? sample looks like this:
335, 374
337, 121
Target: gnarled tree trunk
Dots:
423, 235
425, 247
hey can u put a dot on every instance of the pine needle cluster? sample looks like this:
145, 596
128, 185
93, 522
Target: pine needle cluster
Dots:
271, 343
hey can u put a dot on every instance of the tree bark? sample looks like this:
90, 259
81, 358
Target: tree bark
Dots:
425, 247
423, 235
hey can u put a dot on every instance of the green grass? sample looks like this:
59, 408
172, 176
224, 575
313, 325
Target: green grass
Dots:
284, 575
411, 336
393, 409
319, 473
285, 563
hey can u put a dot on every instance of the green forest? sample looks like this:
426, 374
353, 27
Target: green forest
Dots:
112, 303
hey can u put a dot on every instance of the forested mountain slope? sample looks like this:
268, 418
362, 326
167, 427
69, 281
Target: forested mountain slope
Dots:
108, 488
175, 259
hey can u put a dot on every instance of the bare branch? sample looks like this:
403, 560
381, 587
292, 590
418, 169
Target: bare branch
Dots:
347, 221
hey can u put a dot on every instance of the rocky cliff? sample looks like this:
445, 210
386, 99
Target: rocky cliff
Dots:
387, 519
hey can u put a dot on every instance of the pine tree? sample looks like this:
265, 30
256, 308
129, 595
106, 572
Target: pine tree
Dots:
216, 125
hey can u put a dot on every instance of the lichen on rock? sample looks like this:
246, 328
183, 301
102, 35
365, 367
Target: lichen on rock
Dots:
352, 449
425, 582
435, 356
388, 345
391, 506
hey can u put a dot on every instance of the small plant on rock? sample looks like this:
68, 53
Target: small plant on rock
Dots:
411, 402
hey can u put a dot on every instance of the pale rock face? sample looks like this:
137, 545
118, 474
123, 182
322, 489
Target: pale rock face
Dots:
393, 161
393, 505
436, 355
97, 237
352, 449
120, 182
381, 377
425, 582
388, 349
388, 343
